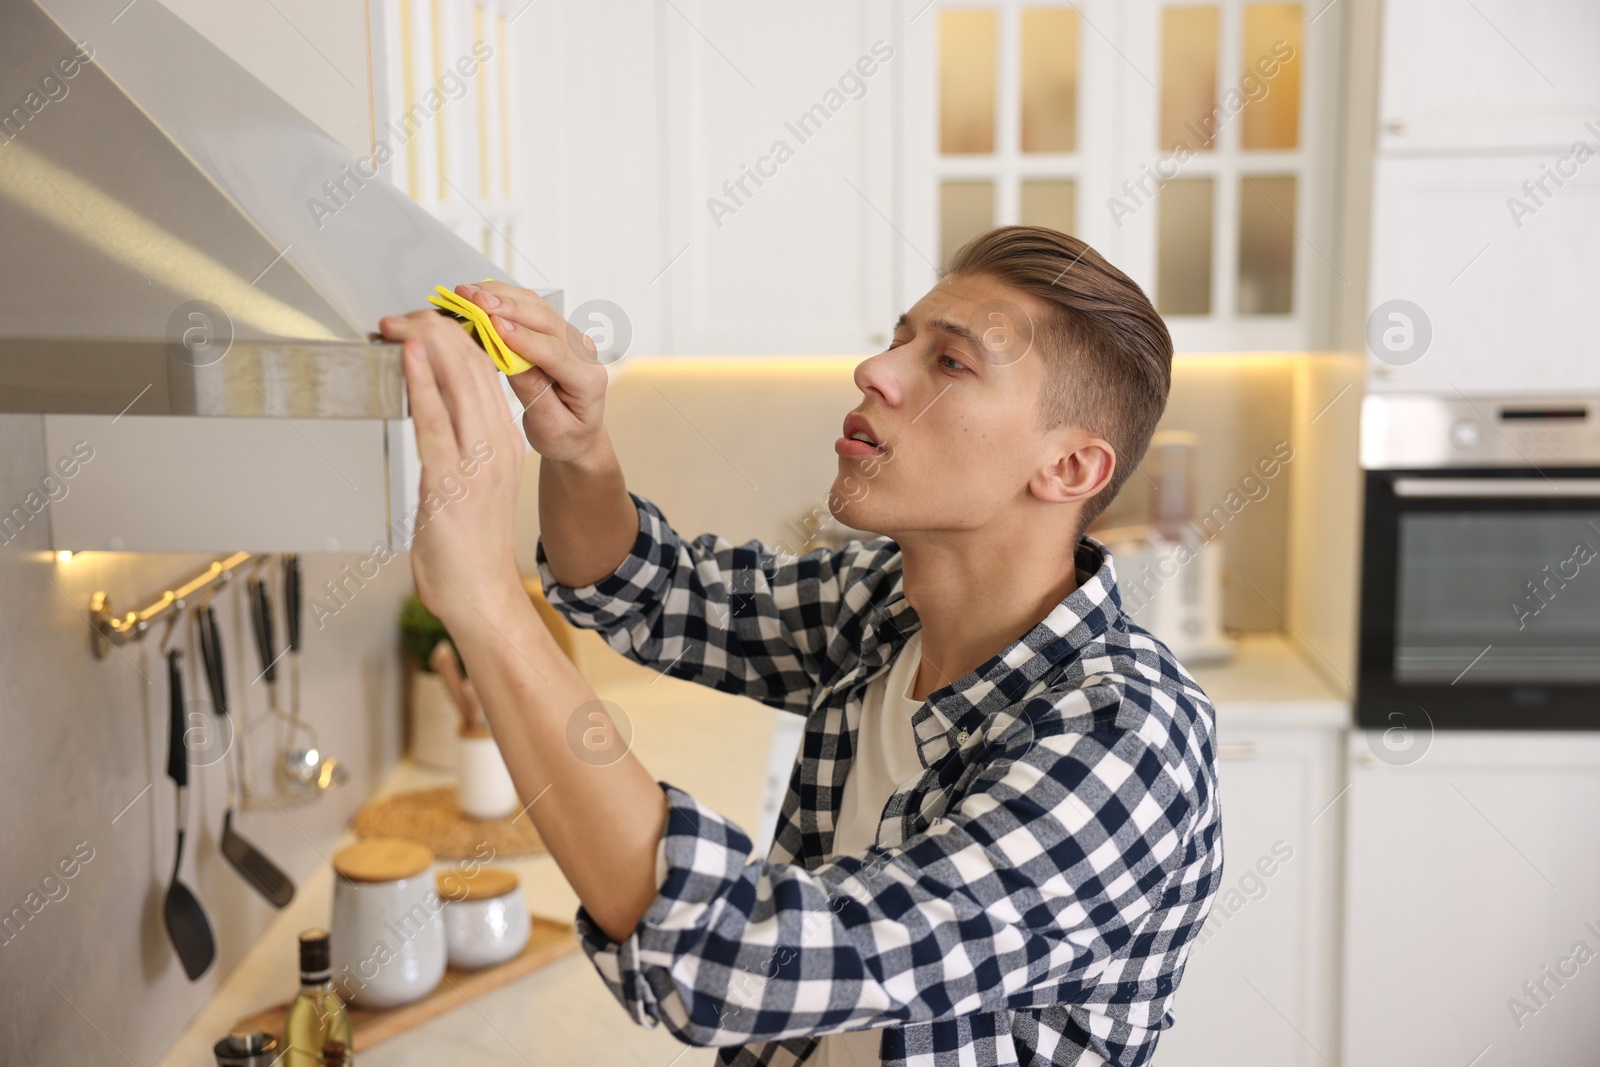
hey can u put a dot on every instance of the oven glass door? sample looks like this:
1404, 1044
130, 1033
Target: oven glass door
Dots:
1481, 600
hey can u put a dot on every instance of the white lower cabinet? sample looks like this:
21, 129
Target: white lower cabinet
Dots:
1472, 911
1259, 988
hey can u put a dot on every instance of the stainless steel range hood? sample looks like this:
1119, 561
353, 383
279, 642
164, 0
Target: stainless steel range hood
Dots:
158, 253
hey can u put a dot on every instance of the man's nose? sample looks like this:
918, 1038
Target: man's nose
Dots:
883, 374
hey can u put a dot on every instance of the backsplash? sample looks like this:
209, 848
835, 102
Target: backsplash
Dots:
743, 447
84, 789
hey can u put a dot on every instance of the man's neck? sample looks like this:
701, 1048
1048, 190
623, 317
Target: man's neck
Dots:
975, 593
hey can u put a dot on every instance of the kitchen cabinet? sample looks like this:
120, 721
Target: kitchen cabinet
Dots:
778, 132
1472, 902
1499, 75
1495, 286
1259, 986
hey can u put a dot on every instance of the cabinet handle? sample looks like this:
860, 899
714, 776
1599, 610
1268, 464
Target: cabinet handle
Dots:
1246, 750
1395, 126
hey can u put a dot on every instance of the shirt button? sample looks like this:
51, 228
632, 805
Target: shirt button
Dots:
961, 738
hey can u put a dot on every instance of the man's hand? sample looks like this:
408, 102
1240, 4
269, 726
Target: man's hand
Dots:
564, 395
602, 824
463, 555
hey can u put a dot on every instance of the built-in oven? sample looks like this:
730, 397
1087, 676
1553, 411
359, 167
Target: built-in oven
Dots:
1480, 573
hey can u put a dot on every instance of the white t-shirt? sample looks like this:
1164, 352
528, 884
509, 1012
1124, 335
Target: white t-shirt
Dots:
886, 757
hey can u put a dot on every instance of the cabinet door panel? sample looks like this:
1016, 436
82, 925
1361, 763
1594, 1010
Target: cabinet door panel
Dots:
1509, 296
1468, 873
781, 218
1501, 74
1258, 987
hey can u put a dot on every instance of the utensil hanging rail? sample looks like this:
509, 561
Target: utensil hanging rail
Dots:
109, 629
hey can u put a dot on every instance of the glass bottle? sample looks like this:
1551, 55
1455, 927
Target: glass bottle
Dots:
317, 1016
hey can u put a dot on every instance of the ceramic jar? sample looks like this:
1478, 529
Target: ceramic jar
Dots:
388, 943
486, 790
485, 920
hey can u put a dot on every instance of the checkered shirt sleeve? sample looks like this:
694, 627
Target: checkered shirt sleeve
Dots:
739, 618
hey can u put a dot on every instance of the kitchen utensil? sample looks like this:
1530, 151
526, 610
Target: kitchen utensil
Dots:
384, 897
447, 665
187, 925
1173, 589
485, 921
264, 876
297, 761
315, 767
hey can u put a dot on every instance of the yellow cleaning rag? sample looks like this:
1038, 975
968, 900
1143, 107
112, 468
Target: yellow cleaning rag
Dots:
475, 321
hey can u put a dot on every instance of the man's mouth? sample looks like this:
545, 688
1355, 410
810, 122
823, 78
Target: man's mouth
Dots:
859, 440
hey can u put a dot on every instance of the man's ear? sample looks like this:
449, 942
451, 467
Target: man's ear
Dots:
1080, 469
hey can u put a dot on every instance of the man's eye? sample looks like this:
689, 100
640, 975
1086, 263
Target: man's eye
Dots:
949, 362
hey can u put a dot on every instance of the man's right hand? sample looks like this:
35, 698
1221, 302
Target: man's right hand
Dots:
564, 394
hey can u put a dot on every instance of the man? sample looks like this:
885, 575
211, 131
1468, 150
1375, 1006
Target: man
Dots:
1002, 832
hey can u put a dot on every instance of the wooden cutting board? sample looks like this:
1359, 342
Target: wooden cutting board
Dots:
549, 941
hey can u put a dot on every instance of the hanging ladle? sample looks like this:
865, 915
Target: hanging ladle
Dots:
298, 761
310, 765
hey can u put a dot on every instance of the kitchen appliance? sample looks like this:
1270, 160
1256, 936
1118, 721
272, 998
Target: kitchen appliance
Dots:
163, 199
1169, 569
1480, 572
182, 313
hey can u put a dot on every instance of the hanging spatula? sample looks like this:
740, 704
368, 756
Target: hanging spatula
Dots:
264, 876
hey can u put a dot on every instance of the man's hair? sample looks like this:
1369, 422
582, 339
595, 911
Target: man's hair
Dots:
1109, 353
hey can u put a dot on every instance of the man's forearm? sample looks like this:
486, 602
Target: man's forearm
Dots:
602, 823
586, 519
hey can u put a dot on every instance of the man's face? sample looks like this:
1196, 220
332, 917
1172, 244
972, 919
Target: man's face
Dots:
951, 411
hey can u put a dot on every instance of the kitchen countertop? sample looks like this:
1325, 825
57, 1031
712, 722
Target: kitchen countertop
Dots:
714, 745
1271, 682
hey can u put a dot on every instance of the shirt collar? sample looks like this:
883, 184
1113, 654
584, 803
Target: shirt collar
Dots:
955, 713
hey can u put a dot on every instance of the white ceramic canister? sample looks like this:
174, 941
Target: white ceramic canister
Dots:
486, 790
485, 920
388, 944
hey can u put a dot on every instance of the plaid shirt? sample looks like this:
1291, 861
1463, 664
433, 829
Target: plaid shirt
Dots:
1033, 893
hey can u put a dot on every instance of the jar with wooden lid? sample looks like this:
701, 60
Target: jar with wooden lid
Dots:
388, 931
485, 920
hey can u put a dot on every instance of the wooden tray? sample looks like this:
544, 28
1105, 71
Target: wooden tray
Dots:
549, 941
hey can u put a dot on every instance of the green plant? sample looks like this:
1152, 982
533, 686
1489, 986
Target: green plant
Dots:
420, 630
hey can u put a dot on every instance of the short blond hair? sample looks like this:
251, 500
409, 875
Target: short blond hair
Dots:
1110, 354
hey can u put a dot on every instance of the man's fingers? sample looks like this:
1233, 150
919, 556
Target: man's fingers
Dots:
451, 356
436, 437
526, 307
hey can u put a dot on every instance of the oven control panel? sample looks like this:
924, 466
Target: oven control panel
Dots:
1400, 431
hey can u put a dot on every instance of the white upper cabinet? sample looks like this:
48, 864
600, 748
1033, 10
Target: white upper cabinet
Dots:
1489, 74
1485, 275
1186, 143
1484, 268
781, 206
